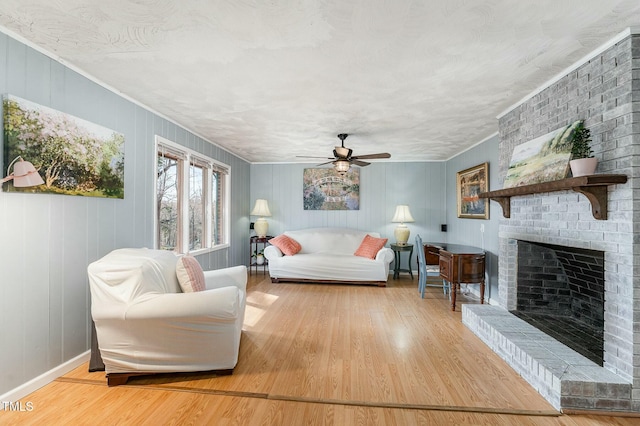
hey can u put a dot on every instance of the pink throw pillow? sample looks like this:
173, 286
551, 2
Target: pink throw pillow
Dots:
190, 274
286, 244
370, 246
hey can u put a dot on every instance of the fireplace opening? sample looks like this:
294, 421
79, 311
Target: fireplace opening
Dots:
560, 290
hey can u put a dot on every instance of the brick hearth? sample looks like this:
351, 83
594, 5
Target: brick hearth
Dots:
565, 378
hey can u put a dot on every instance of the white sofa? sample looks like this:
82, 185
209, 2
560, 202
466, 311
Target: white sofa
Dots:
327, 256
146, 324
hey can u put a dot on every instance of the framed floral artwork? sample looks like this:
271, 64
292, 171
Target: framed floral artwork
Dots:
326, 189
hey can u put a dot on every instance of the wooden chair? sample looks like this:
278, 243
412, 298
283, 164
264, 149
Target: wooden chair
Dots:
424, 271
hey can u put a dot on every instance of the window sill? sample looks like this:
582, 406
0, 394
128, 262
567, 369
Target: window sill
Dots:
209, 250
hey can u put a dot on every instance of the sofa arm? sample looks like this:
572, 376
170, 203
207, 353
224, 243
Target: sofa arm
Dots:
272, 252
220, 304
385, 255
233, 276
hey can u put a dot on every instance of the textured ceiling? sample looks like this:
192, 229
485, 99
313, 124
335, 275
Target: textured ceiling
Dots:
270, 80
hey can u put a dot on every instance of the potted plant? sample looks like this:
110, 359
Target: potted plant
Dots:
259, 255
582, 161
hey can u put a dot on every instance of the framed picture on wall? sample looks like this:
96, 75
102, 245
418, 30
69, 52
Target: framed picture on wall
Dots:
326, 189
469, 184
543, 159
72, 156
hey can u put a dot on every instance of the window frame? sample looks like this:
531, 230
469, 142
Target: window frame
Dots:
186, 158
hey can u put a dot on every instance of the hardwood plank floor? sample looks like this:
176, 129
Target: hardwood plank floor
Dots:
323, 354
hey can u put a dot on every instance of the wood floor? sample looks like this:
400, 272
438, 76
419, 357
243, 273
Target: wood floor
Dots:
323, 354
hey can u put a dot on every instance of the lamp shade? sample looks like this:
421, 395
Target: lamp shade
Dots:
402, 215
261, 208
24, 174
342, 166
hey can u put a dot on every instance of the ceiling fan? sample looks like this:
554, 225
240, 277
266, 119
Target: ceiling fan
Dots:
343, 157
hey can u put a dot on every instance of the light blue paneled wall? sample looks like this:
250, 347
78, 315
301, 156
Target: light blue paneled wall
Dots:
383, 185
47, 241
468, 231
429, 188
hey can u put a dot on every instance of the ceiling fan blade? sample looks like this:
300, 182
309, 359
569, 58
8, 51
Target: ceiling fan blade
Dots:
359, 163
306, 156
369, 156
328, 162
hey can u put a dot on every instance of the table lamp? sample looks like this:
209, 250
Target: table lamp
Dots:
402, 232
261, 209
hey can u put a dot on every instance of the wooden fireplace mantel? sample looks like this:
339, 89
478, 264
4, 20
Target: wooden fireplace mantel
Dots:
594, 187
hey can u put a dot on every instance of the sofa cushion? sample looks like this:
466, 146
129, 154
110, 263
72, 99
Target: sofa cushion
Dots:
329, 240
286, 244
190, 274
370, 246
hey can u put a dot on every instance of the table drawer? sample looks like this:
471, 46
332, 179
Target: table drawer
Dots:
445, 263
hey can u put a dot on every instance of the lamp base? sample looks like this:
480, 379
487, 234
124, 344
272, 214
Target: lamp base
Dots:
261, 227
402, 234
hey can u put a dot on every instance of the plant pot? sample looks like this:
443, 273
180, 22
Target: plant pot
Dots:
259, 259
583, 166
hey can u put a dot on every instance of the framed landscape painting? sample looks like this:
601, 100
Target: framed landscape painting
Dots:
470, 183
73, 156
543, 159
326, 189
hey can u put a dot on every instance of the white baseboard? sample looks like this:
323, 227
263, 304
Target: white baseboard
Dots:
476, 292
45, 378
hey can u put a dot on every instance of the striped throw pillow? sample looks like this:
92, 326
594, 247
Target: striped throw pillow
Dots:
370, 246
287, 245
190, 274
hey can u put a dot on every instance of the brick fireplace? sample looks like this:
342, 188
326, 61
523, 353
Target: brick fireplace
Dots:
605, 92
560, 291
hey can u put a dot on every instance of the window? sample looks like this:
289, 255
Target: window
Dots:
191, 205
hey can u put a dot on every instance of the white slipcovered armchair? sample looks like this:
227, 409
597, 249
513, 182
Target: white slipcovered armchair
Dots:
145, 323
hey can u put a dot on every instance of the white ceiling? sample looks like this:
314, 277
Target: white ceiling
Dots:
273, 79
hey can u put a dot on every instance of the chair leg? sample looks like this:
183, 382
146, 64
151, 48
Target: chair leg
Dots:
446, 288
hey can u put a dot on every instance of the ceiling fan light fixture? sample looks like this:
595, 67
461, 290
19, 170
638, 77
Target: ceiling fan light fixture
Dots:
342, 158
342, 166
342, 152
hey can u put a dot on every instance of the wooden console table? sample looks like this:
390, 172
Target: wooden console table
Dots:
460, 264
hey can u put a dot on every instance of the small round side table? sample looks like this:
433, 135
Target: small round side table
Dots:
397, 249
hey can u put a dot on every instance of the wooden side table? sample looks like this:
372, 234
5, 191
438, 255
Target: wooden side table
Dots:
255, 243
461, 264
397, 250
